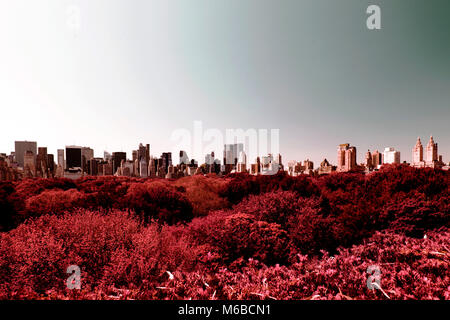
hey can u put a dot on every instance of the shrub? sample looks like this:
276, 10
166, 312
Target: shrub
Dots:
53, 201
10, 204
158, 202
155, 253
203, 193
273, 207
239, 235
38, 252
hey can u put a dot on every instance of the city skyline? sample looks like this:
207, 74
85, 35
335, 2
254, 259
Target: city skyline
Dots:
346, 158
80, 72
74, 162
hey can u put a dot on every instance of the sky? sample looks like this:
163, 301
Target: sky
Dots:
110, 74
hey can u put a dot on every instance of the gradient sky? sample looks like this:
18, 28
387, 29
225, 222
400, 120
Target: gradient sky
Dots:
135, 71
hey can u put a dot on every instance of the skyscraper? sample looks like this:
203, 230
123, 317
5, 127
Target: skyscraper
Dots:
42, 162
433, 160
21, 148
143, 153
369, 164
93, 166
73, 157
231, 153
166, 158
184, 159
377, 159
117, 158
106, 156
417, 154
391, 156
29, 166
87, 154
61, 158
51, 165
242, 162
432, 152
346, 158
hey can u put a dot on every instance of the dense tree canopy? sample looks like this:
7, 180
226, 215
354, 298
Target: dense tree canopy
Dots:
234, 237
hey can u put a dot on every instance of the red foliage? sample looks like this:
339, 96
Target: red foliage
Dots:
158, 202
9, 206
116, 229
242, 185
274, 207
37, 254
32, 187
152, 252
236, 236
410, 269
203, 193
53, 201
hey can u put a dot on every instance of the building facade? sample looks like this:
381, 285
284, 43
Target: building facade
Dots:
346, 158
21, 148
390, 156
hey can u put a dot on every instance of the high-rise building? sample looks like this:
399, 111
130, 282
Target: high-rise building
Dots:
12, 159
432, 160
391, 156
126, 168
29, 167
51, 165
117, 158
74, 157
42, 162
368, 163
143, 152
346, 158
209, 158
417, 154
87, 154
309, 166
134, 155
21, 148
255, 168
94, 165
231, 153
266, 161
377, 159
432, 152
166, 158
61, 158
143, 172
212, 165
280, 163
106, 156
242, 162
147, 152
152, 167
230, 156
184, 159
107, 169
